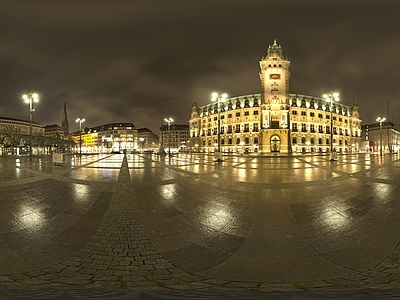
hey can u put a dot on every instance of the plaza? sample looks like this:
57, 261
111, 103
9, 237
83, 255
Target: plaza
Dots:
251, 223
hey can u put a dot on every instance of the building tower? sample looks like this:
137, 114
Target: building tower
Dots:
274, 77
64, 123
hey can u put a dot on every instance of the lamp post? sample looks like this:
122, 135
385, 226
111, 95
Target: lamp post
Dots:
141, 140
80, 121
169, 120
219, 98
380, 120
332, 96
30, 98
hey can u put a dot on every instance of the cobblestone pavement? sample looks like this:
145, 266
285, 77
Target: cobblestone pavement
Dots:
152, 227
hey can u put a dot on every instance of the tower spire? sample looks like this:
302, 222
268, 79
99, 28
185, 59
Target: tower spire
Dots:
64, 123
275, 49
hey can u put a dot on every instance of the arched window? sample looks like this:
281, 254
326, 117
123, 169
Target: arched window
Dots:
222, 141
294, 140
327, 141
320, 141
246, 140
303, 140
256, 140
230, 141
238, 141
312, 141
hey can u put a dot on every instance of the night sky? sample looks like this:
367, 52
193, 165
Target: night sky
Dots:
116, 61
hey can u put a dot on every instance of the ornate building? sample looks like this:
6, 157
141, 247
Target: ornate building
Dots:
275, 120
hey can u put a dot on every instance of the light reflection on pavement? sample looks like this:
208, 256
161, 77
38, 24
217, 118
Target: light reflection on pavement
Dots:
264, 222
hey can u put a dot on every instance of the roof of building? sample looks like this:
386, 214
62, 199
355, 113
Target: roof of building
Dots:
19, 120
295, 100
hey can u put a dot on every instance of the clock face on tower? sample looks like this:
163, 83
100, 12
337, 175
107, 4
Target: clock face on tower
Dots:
275, 76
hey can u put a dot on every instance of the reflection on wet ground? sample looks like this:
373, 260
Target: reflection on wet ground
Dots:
187, 223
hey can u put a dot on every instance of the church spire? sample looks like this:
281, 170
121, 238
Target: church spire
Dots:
64, 123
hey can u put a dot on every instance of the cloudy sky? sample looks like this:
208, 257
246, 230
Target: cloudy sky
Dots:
116, 60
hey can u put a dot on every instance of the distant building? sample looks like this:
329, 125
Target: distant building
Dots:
175, 138
15, 136
147, 140
275, 120
20, 126
107, 138
54, 131
372, 134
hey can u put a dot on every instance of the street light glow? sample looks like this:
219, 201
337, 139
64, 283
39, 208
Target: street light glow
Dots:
380, 119
169, 121
29, 98
331, 96
215, 97
80, 121
219, 98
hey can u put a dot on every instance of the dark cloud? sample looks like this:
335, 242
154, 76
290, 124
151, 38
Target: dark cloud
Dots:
118, 60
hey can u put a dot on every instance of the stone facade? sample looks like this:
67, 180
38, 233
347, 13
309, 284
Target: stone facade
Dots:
275, 120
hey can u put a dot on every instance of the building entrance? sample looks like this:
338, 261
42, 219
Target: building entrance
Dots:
275, 143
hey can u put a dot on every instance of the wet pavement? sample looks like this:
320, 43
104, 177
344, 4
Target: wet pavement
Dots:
151, 227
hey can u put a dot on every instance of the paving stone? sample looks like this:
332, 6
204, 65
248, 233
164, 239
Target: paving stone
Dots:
120, 253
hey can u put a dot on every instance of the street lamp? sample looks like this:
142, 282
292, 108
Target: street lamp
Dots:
30, 98
80, 121
380, 120
169, 120
141, 140
332, 96
219, 98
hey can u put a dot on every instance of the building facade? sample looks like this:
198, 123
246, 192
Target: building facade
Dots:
275, 120
148, 141
374, 137
175, 137
15, 136
107, 138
